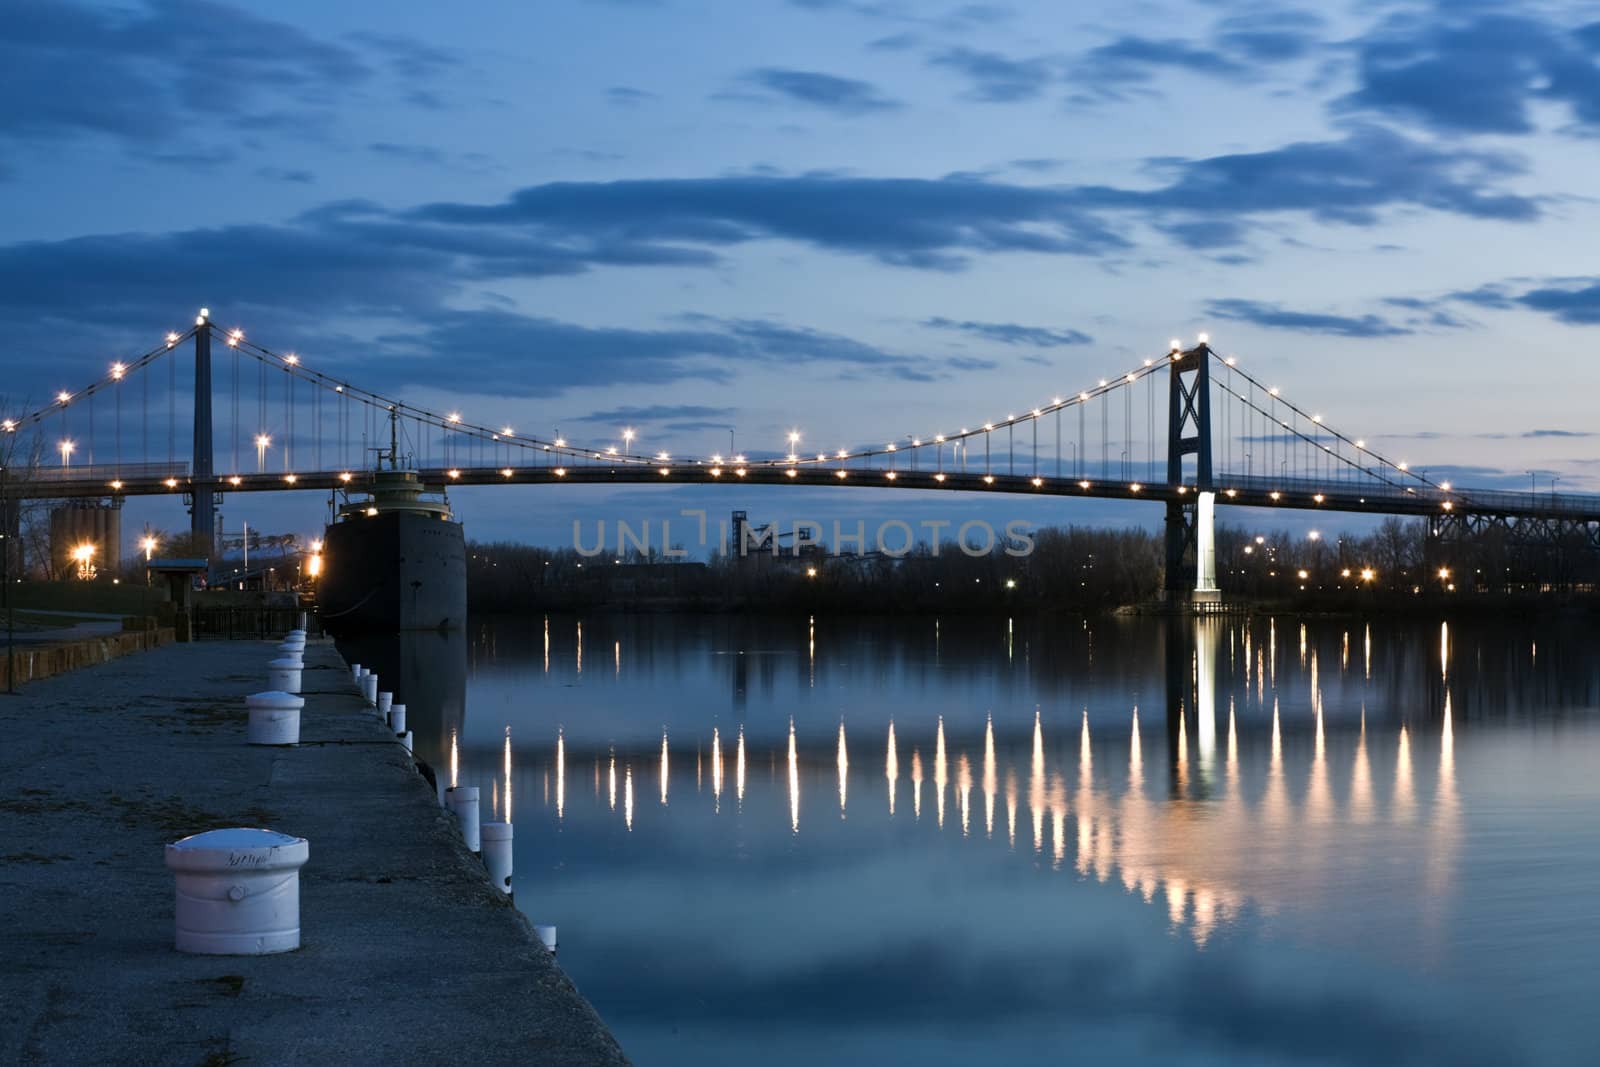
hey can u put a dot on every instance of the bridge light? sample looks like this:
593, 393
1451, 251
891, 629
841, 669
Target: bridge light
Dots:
455, 473
1448, 506
821, 456
1182, 489
235, 480
740, 472
1204, 338
338, 388
205, 313
66, 448
1131, 377
916, 442
890, 476
1303, 575
1083, 484
811, 572
291, 478
345, 476
117, 485
1318, 498
988, 479
172, 339
1367, 574
294, 361
118, 370
1273, 391
1444, 573
839, 475
1315, 535
938, 477
1230, 361
63, 396
988, 426
1135, 487
1403, 465
665, 471
1275, 495
372, 513
561, 442
171, 483
791, 472
794, 439
505, 431
455, 416
1232, 492
1445, 486
1037, 482
662, 456
842, 453
938, 438
1057, 402
889, 447
1103, 383
1316, 418
506, 471
716, 472
1177, 345
8, 426
1082, 397
561, 472
1260, 540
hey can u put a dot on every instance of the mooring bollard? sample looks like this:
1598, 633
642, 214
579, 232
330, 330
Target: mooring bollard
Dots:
405, 739
385, 702
547, 937
274, 718
397, 718
302, 622
296, 652
284, 674
497, 854
238, 891
369, 688
355, 673
462, 800
294, 640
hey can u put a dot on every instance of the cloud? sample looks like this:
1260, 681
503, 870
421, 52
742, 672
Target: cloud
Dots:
658, 413
1467, 69
841, 96
1010, 333
996, 78
1269, 36
1574, 301
628, 96
1273, 316
186, 73
1137, 59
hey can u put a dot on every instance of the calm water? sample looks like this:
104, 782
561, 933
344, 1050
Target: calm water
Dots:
952, 841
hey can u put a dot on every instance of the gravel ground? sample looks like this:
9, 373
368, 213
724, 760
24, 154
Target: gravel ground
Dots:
408, 955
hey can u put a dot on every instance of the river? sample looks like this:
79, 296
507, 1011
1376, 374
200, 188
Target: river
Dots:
800, 841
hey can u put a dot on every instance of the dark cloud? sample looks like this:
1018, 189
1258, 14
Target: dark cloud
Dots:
1272, 316
894, 42
1558, 433
1269, 36
658, 413
628, 96
996, 78
841, 96
1138, 59
1467, 69
1010, 333
1574, 301
183, 72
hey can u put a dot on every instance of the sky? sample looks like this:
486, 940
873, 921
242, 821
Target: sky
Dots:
858, 218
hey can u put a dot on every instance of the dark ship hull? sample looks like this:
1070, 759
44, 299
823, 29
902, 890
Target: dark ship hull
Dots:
396, 570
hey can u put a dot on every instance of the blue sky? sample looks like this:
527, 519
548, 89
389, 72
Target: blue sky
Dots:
860, 218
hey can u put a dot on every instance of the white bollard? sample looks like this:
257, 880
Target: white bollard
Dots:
397, 718
238, 891
369, 688
274, 718
547, 937
294, 639
405, 739
355, 673
302, 622
385, 702
497, 854
284, 674
291, 652
462, 800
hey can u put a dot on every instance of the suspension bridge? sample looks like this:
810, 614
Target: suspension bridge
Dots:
1220, 436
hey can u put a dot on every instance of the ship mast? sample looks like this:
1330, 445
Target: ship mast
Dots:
394, 443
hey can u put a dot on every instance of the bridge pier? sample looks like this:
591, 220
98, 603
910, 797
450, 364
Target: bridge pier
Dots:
1191, 572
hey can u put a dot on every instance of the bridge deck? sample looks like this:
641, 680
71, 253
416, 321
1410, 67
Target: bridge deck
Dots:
1293, 494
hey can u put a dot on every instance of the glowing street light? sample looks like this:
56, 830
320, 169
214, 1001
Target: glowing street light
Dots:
149, 546
263, 442
83, 556
66, 448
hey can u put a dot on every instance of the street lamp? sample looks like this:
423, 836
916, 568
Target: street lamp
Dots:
263, 442
66, 448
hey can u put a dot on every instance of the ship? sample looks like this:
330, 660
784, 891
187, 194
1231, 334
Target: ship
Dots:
394, 560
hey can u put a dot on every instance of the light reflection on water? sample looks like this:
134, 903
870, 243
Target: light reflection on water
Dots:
1410, 838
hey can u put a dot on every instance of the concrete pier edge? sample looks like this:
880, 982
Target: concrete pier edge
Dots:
408, 954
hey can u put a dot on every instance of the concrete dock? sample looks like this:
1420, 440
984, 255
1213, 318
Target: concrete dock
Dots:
408, 954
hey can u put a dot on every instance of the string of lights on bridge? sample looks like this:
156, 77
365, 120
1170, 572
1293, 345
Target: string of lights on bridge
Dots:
556, 452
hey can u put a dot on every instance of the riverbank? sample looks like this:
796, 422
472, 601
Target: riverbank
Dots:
408, 955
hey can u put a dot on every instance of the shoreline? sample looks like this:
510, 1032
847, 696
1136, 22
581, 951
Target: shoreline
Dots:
407, 953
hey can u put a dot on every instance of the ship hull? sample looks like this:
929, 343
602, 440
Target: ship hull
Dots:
393, 571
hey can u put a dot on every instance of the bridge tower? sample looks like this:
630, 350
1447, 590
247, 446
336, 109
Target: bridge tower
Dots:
1191, 552
202, 495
